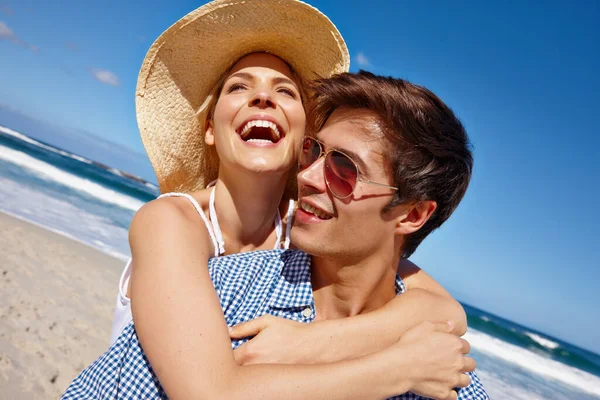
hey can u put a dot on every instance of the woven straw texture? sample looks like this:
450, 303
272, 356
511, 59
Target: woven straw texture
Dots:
186, 61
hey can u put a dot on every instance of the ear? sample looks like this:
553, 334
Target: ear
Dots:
414, 217
209, 134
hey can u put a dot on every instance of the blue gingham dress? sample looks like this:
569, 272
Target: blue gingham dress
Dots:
249, 285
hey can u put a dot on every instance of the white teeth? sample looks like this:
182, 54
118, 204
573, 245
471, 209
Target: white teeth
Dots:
261, 124
258, 141
315, 211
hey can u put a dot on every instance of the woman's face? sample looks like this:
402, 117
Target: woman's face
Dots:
259, 118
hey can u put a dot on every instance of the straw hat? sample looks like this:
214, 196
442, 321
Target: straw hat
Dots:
187, 60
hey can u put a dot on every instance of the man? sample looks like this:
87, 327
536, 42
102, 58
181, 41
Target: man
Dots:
389, 164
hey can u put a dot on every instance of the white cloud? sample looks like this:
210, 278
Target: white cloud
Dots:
106, 77
362, 60
7, 33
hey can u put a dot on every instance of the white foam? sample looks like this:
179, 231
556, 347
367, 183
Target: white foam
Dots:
29, 140
106, 250
542, 341
64, 217
115, 171
497, 388
48, 172
536, 363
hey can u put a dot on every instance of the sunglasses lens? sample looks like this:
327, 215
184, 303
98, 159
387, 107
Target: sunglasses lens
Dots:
310, 152
341, 174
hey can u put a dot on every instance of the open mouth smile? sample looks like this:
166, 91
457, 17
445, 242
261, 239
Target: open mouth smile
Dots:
315, 211
261, 130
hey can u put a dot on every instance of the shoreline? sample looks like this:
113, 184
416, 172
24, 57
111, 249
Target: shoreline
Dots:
57, 295
110, 253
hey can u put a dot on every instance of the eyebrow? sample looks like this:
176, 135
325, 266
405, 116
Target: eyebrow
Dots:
282, 79
243, 75
276, 81
355, 157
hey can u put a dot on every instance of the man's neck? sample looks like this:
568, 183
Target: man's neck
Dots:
346, 289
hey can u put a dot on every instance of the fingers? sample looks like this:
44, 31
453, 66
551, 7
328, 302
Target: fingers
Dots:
466, 347
249, 328
464, 380
445, 327
240, 354
469, 365
451, 396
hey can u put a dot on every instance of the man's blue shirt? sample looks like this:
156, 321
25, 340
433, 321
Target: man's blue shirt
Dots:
249, 285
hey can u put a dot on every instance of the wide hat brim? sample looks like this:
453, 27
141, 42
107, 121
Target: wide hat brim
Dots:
187, 60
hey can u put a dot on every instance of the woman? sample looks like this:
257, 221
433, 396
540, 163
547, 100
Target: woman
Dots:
254, 119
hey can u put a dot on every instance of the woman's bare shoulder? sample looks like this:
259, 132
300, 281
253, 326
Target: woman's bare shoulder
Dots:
171, 216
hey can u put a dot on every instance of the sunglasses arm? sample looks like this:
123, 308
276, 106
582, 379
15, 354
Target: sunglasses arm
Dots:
375, 183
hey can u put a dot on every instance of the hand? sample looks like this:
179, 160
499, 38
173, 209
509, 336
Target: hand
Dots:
276, 341
436, 359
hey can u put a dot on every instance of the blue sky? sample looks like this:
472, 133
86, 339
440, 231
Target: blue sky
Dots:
522, 76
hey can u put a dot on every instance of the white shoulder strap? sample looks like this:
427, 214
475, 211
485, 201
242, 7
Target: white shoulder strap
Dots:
288, 224
199, 210
215, 222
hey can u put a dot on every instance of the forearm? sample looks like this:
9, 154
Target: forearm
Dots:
197, 361
365, 377
180, 325
200, 352
347, 338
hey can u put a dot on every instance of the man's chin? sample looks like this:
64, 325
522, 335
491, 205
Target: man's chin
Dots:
303, 239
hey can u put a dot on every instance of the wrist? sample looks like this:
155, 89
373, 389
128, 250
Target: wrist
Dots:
392, 366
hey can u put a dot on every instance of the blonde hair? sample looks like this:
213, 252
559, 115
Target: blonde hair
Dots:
206, 112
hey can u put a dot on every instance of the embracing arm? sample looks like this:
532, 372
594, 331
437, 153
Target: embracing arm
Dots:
415, 278
181, 327
347, 338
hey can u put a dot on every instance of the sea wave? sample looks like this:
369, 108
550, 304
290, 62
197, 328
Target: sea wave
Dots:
116, 172
536, 363
498, 388
95, 243
29, 140
542, 341
48, 172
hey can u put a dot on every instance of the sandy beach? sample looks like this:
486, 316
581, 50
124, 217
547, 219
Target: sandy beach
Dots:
56, 305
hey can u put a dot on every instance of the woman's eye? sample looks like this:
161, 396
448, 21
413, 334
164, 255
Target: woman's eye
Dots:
235, 87
288, 92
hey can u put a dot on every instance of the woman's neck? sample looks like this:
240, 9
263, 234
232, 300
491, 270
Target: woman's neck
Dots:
246, 206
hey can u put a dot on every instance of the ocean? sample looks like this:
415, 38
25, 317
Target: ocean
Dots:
94, 203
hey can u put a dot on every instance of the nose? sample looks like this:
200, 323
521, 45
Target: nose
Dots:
262, 99
313, 177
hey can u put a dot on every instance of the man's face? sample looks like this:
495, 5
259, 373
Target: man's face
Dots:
353, 228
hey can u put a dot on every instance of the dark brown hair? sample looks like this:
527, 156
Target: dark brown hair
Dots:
429, 152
